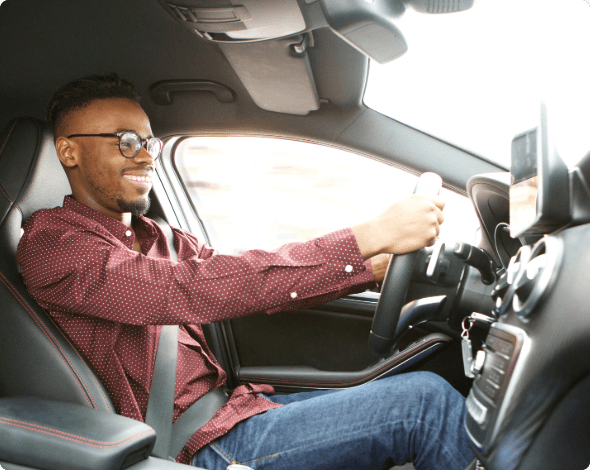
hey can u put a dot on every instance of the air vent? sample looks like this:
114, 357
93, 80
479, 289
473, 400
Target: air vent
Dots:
506, 284
537, 276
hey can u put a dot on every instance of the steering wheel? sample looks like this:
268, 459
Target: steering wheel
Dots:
395, 285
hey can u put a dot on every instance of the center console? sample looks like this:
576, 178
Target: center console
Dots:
505, 350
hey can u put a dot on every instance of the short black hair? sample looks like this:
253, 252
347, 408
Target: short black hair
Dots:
80, 92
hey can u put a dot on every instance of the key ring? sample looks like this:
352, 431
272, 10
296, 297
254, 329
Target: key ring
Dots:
465, 332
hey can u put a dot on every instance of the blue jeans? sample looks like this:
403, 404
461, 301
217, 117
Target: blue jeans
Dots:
416, 416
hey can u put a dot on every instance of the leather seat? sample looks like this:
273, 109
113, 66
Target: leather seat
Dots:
36, 359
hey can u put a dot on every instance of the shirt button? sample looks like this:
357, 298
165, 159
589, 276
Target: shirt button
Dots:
128, 233
293, 295
348, 268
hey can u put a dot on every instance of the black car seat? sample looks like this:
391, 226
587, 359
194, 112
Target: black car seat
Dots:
36, 359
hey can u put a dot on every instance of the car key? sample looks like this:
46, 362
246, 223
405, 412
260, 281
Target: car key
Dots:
466, 347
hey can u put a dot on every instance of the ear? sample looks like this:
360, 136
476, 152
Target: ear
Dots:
67, 152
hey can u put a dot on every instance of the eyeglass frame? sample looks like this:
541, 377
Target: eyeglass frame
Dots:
119, 135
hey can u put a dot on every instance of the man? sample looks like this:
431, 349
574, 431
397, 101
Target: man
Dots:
104, 273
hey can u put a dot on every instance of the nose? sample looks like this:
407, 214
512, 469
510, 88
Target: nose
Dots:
144, 157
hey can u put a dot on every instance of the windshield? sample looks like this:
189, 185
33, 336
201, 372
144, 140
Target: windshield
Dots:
475, 79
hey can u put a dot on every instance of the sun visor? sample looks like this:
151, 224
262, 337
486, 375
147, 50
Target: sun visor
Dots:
250, 20
276, 73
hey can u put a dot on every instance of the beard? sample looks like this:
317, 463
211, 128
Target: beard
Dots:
138, 207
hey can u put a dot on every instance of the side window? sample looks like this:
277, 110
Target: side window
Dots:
255, 192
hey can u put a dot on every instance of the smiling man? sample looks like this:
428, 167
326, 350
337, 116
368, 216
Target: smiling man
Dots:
105, 274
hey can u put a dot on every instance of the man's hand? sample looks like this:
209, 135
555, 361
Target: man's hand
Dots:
379, 266
406, 226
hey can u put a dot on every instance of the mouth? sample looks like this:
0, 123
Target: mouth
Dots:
139, 180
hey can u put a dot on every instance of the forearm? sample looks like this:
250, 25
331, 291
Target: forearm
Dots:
369, 239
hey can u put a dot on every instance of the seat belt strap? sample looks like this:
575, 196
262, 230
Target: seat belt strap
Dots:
194, 418
160, 408
171, 439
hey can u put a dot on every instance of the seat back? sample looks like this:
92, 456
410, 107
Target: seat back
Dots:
36, 359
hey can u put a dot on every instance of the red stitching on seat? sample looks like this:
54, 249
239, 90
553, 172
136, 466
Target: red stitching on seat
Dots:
9, 200
73, 437
422, 346
46, 332
92, 374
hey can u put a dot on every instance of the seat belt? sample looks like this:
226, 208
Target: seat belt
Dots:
170, 439
195, 417
160, 408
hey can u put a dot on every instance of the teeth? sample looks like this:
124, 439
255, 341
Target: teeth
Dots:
142, 179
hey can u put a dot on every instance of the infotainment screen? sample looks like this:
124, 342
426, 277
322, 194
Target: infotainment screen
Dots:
539, 190
524, 182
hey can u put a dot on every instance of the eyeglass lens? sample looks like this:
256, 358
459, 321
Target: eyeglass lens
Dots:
130, 144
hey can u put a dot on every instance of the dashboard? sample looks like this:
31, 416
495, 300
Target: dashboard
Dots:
529, 405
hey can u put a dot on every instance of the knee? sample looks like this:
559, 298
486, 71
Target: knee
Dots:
439, 404
427, 388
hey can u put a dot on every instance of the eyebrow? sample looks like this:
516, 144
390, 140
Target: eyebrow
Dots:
133, 130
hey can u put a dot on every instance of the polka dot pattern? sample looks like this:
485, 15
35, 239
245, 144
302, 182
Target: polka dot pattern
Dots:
79, 265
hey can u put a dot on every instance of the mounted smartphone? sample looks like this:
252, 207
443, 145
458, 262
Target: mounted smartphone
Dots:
539, 190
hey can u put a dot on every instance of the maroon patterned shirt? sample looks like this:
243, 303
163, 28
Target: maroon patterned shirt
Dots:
79, 265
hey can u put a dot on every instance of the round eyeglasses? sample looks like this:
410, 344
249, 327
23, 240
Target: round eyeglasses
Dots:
130, 143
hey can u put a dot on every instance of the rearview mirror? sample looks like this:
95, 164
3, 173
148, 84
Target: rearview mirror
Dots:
368, 25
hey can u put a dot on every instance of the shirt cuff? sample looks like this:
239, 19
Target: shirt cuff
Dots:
345, 272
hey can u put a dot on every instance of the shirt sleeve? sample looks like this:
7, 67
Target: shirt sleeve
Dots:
85, 272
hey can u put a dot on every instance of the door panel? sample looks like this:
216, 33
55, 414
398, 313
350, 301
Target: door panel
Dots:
324, 347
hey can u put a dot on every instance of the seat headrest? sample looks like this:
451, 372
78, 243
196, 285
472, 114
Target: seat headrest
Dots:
31, 175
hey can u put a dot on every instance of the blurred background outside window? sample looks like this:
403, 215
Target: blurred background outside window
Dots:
256, 192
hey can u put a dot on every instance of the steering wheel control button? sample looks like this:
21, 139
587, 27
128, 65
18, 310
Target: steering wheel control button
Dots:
348, 268
128, 233
475, 409
293, 295
478, 362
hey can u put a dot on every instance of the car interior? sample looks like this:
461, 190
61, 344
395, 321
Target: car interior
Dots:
499, 309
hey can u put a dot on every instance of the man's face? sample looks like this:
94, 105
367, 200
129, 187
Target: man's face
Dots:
104, 178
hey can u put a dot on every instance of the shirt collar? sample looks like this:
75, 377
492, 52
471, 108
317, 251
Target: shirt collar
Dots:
115, 227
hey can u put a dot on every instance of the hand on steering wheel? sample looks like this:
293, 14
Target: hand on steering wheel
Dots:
395, 285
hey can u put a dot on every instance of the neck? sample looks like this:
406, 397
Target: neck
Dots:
87, 200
